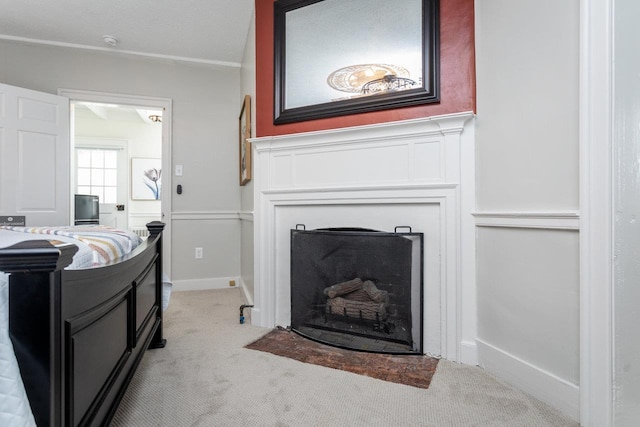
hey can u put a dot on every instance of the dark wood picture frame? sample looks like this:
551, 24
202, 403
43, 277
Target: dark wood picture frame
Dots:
429, 92
244, 133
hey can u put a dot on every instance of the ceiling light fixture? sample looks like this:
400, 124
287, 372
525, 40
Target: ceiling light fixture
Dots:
111, 41
155, 118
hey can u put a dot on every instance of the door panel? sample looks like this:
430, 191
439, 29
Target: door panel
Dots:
34, 166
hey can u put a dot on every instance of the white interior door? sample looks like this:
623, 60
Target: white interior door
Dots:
34, 166
102, 169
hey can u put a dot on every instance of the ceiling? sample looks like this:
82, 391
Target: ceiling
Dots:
203, 31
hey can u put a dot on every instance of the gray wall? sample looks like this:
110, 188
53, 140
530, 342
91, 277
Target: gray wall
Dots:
627, 211
527, 168
248, 87
205, 115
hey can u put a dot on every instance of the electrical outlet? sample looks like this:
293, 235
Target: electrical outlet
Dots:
232, 282
199, 253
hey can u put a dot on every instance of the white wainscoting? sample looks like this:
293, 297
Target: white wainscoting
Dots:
528, 376
544, 385
417, 173
550, 220
217, 249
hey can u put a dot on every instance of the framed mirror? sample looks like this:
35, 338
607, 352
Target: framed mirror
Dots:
337, 57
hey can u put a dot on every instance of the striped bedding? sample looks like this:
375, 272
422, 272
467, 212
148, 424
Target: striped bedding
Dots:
105, 244
98, 245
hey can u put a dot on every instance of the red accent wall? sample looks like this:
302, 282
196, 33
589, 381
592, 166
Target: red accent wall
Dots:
457, 74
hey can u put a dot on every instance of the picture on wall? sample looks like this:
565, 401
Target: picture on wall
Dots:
244, 144
146, 177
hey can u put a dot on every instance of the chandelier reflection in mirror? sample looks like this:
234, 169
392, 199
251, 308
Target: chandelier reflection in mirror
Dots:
368, 79
387, 84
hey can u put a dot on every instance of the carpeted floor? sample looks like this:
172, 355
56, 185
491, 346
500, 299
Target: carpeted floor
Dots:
414, 370
205, 377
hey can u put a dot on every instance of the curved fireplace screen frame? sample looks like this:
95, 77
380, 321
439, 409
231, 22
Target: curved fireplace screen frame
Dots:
358, 289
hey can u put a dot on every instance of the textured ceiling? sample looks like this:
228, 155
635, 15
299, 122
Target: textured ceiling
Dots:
207, 31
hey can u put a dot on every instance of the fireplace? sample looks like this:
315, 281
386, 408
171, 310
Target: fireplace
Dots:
359, 289
419, 172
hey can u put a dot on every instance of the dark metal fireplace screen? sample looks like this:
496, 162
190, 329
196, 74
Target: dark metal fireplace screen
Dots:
358, 289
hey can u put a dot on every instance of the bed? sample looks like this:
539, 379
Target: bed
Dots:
79, 322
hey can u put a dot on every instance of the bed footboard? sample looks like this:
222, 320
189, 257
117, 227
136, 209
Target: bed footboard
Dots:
79, 335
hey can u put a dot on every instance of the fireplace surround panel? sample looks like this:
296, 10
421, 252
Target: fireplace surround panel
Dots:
418, 172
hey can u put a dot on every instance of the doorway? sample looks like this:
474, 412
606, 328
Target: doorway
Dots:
111, 134
101, 169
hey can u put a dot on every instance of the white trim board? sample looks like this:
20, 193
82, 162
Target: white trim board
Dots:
209, 215
531, 379
247, 296
596, 198
562, 220
204, 284
112, 51
246, 216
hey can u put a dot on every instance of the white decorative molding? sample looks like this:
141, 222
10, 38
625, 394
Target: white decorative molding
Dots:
596, 200
211, 215
203, 284
121, 52
376, 176
245, 292
469, 353
142, 214
205, 215
246, 216
531, 379
561, 220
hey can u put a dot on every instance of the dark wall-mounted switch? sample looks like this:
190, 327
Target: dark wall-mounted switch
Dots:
179, 189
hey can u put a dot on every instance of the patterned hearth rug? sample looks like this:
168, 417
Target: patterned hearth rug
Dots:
412, 370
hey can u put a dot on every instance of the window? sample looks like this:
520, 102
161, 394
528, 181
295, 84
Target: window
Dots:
97, 173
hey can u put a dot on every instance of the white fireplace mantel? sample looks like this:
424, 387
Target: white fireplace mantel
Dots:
417, 172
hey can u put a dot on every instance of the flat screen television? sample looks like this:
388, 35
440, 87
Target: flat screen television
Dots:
87, 209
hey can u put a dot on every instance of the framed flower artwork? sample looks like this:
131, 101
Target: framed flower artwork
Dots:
146, 177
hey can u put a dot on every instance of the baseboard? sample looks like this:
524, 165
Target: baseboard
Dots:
469, 353
247, 297
204, 284
543, 385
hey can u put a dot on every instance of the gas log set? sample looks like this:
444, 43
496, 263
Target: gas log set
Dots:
357, 299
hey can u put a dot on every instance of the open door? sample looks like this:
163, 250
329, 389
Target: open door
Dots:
34, 167
102, 169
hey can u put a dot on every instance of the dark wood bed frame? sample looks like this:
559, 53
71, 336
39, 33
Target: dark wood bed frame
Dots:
79, 335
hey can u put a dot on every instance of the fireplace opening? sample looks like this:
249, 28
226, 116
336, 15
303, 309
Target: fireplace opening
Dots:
358, 289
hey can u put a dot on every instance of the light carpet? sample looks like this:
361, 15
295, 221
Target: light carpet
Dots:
205, 377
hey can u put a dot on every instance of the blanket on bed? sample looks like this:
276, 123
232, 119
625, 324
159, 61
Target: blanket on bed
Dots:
106, 244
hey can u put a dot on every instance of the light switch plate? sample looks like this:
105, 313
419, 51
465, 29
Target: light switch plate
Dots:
178, 170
